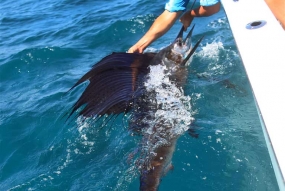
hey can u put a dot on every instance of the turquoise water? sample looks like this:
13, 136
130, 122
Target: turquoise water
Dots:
46, 46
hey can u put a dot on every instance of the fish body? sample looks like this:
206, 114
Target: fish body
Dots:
118, 84
160, 164
162, 138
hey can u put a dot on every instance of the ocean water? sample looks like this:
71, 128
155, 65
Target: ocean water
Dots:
46, 46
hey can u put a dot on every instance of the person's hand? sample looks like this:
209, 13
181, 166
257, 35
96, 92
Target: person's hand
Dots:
160, 26
186, 19
135, 49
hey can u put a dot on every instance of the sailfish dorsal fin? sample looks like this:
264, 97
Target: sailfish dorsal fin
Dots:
113, 84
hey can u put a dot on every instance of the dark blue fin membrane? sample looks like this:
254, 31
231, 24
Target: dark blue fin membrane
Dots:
115, 82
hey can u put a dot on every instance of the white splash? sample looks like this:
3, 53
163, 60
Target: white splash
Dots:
212, 50
173, 106
219, 59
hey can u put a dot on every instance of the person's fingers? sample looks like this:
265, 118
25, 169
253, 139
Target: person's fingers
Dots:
131, 50
135, 49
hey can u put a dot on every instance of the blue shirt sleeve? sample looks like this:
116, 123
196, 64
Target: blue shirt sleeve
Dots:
208, 2
176, 5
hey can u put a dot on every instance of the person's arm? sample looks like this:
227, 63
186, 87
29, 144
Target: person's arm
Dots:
160, 26
278, 9
201, 11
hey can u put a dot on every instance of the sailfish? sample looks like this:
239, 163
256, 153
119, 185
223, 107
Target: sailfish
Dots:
119, 83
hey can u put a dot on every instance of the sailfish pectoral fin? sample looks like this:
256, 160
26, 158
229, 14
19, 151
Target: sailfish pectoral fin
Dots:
113, 83
192, 51
192, 130
189, 35
192, 133
180, 34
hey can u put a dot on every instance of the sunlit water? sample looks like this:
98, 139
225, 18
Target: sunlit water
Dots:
46, 46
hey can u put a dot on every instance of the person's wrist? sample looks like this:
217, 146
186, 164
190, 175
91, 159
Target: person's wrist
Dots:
190, 14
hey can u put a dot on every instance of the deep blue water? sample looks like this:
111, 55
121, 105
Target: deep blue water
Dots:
46, 46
